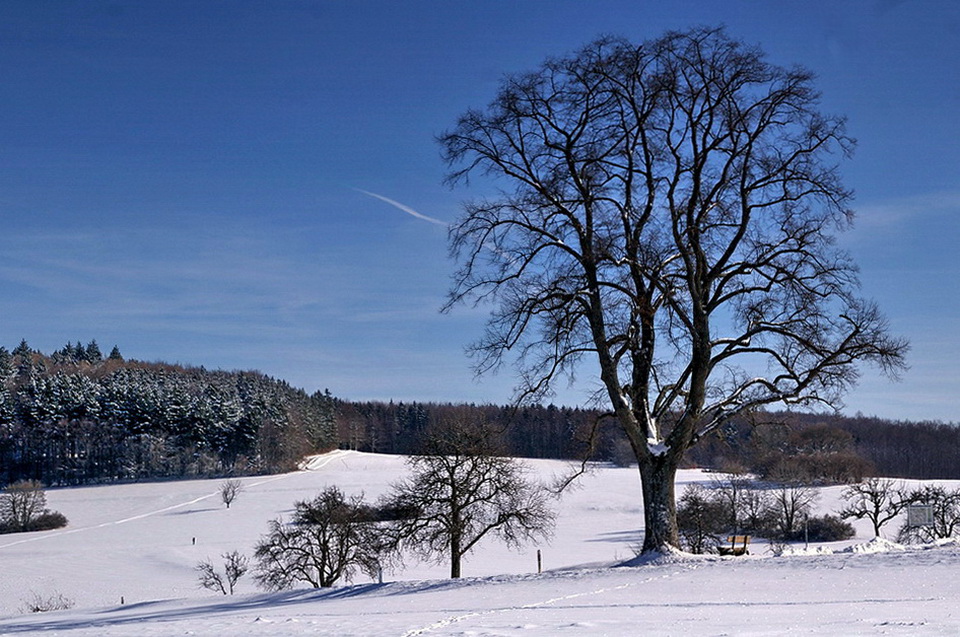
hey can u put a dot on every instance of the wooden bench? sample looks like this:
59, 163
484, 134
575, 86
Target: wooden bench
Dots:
733, 549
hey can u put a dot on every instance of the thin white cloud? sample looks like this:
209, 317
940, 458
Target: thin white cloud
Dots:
406, 209
895, 212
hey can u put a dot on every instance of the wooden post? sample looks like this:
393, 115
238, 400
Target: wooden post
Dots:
539, 562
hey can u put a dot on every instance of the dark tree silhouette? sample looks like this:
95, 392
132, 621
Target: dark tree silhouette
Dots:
229, 490
875, 499
460, 492
330, 538
235, 565
667, 210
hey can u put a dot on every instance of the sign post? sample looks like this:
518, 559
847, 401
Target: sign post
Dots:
919, 515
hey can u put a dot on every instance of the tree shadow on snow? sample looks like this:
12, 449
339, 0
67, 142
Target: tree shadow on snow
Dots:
632, 536
174, 610
189, 511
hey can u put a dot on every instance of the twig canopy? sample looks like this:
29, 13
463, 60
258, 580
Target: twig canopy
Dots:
668, 209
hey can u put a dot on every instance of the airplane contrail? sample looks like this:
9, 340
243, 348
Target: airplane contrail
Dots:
406, 209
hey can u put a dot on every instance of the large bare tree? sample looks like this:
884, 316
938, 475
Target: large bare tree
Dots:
668, 209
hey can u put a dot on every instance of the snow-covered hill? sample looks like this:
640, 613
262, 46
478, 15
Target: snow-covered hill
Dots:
136, 543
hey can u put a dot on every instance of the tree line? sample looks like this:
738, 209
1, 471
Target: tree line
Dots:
829, 447
75, 417
531, 431
815, 447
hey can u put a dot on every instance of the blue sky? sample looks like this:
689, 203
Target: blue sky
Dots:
210, 183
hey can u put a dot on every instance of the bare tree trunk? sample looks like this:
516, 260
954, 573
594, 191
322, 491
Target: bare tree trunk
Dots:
657, 476
455, 555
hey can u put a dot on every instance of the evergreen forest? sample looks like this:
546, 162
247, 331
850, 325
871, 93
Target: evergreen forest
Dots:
77, 417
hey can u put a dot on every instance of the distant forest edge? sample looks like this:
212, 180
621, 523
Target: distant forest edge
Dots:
76, 417
815, 448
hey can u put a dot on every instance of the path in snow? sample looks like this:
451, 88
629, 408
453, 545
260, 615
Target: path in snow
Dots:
314, 463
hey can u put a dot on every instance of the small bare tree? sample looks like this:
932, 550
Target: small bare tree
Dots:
235, 565
700, 518
757, 514
20, 503
460, 492
329, 538
876, 499
792, 503
730, 493
229, 490
23, 507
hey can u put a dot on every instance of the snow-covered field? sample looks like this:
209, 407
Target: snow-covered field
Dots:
135, 543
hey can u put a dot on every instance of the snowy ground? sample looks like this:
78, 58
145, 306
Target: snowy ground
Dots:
135, 542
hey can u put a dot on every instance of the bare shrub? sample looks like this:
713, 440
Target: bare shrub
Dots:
758, 515
234, 567
792, 504
38, 603
229, 490
730, 493
700, 516
20, 503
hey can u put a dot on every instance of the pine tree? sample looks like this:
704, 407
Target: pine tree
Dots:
24, 357
6, 364
92, 352
22, 349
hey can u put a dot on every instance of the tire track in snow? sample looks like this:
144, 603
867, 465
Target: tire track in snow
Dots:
314, 463
447, 621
